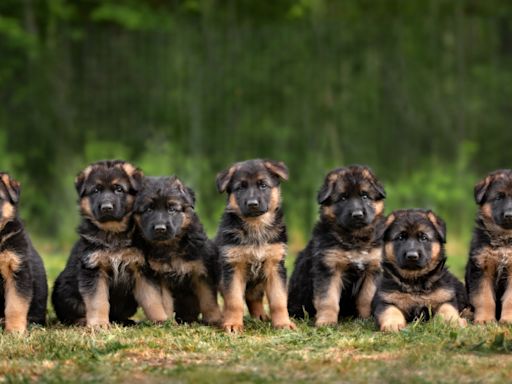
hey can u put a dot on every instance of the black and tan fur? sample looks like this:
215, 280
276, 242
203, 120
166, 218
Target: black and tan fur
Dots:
416, 283
23, 286
489, 268
252, 243
96, 287
335, 275
181, 262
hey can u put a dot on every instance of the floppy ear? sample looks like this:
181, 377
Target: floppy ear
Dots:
224, 178
135, 175
80, 181
375, 182
277, 168
438, 224
327, 188
13, 188
481, 189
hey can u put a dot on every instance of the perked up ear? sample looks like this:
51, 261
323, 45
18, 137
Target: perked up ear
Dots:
12, 186
278, 168
481, 189
224, 178
438, 224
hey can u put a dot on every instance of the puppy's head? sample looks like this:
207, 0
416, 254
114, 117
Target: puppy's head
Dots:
9, 197
493, 194
253, 186
106, 191
163, 208
413, 240
352, 197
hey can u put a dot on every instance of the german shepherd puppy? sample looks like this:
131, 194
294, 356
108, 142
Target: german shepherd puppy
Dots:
23, 286
489, 268
252, 243
181, 261
415, 282
96, 287
335, 275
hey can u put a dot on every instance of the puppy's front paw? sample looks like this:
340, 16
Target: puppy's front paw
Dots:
233, 327
392, 326
285, 325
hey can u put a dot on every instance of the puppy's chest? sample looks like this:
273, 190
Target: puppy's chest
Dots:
340, 259
495, 259
408, 301
117, 262
10, 262
177, 267
253, 253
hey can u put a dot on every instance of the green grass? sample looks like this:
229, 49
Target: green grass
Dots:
351, 352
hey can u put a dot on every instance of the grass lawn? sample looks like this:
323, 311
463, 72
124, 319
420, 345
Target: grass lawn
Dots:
350, 352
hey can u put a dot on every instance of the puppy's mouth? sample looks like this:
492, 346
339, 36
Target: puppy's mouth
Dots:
506, 224
108, 218
412, 265
255, 213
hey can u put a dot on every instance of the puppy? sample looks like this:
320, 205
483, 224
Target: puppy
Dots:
415, 282
181, 261
97, 284
23, 286
335, 275
489, 268
252, 243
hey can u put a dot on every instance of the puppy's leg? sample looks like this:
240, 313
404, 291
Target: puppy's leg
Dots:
365, 296
16, 304
390, 319
207, 295
275, 289
167, 300
254, 300
233, 288
93, 286
149, 297
483, 300
327, 292
506, 302
450, 314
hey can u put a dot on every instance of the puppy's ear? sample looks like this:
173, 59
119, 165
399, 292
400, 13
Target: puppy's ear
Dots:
13, 188
376, 184
278, 168
383, 230
481, 189
439, 225
80, 181
224, 178
327, 188
187, 193
135, 175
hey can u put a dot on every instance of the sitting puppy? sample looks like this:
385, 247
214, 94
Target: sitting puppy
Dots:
252, 243
335, 275
181, 261
415, 282
23, 286
97, 284
489, 271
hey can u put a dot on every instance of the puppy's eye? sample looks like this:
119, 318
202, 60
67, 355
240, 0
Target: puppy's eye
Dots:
262, 185
97, 189
422, 237
401, 236
173, 209
149, 208
500, 196
118, 189
343, 197
365, 196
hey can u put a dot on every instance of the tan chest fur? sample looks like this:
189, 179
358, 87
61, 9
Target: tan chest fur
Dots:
406, 301
9, 263
339, 259
493, 260
179, 267
253, 254
118, 262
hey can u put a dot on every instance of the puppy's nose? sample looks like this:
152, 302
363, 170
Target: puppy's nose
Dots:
107, 207
253, 203
160, 228
358, 214
508, 214
412, 255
